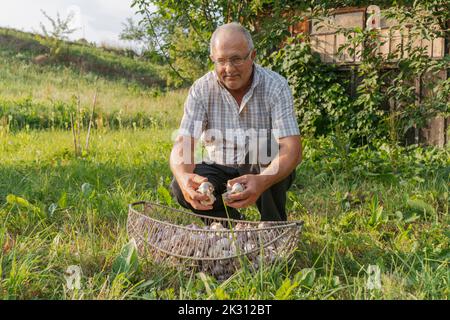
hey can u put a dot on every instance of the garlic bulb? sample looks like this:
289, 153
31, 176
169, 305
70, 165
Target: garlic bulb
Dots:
193, 226
207, 188
262, 244
216, 226
235, 188
263, 224
240, 226
223, 244
249, 247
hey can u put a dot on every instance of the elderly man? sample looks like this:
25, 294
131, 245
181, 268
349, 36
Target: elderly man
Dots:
238, 111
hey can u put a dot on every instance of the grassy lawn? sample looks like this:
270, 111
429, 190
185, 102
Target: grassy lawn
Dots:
349, 226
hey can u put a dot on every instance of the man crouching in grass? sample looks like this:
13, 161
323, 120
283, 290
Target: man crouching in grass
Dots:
244, 116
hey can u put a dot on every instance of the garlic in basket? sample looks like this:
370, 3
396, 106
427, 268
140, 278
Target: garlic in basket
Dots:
207, 188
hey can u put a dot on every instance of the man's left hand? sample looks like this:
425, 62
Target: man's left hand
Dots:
254, 186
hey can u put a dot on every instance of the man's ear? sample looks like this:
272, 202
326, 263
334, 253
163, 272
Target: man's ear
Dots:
253, 54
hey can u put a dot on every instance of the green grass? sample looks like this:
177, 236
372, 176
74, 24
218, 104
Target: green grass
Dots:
341, 239
42, 97
108, 63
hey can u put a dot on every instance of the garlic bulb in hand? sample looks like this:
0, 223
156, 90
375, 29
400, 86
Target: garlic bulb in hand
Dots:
208, 189
236, 188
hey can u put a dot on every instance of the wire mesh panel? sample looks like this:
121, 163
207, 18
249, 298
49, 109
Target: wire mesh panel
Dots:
216, 246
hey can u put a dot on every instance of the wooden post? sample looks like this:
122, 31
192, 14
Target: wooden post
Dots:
90, 121
418, 85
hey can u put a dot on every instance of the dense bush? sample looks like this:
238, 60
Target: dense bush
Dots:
380, 161
385, 104
320, 99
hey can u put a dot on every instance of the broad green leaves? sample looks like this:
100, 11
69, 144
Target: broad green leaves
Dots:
165, 195
320, 100
127, 261
303, 279
23, 203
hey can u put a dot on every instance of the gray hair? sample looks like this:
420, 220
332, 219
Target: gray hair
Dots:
233, 26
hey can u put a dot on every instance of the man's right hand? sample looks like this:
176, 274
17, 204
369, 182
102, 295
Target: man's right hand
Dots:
189, 184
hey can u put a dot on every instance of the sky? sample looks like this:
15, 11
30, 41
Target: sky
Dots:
99, 21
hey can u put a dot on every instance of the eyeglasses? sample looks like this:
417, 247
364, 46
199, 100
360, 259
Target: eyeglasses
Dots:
235, 61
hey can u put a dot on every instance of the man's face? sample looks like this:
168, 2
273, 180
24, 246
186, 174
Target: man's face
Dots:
233, 60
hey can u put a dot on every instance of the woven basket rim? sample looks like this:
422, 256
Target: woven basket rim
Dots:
274, 224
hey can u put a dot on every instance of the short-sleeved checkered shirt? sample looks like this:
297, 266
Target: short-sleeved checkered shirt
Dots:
233, 134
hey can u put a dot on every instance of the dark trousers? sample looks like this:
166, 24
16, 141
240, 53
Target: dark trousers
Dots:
271, 204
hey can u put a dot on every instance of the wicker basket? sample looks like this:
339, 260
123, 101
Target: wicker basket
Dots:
216, 246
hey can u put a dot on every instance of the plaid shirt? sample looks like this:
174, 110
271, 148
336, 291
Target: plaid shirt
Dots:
224, 128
